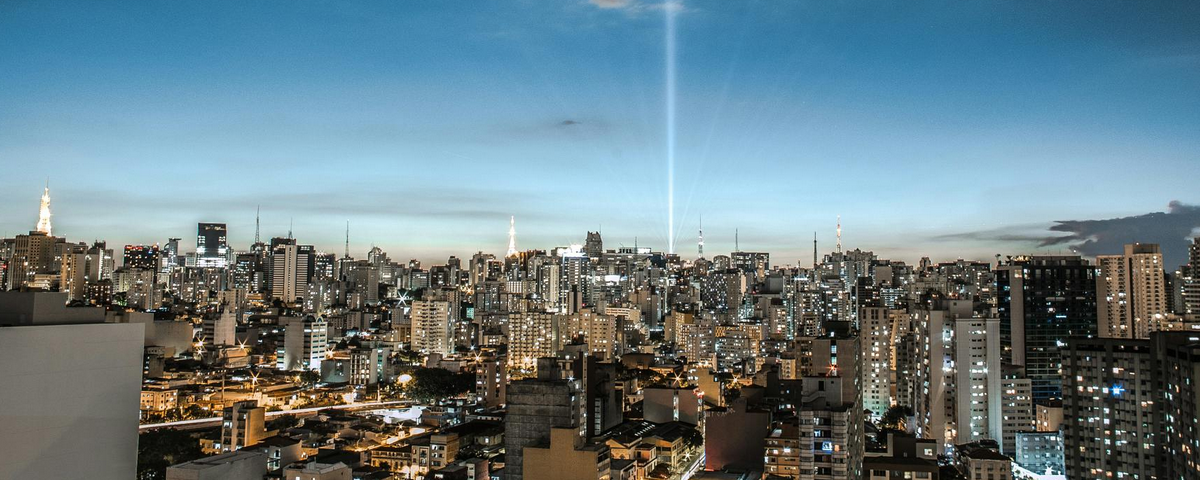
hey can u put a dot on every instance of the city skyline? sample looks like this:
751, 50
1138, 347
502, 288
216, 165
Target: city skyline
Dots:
924, 129
600, 240
1091, 238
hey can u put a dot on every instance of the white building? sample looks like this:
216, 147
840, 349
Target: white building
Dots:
432, 331
305, 342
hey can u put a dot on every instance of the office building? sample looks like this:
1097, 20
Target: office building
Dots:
1042, 302
145, 257
291, 269
212, 247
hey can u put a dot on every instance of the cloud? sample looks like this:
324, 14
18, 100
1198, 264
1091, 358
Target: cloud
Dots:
1010, 233
611, 3
636, 6
567, 123
1170, 229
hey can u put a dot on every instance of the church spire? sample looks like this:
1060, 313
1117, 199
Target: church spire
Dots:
43, 224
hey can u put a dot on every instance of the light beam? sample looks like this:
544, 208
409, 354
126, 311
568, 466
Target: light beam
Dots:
669, 12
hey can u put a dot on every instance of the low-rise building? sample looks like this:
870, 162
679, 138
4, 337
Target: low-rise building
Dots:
240, 465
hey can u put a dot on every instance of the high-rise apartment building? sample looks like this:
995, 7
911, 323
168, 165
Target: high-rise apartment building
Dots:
878, 328
1131, 292
432, 331
531, 336
1108, 404
1176, 370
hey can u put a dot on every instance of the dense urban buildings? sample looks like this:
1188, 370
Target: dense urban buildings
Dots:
283, 361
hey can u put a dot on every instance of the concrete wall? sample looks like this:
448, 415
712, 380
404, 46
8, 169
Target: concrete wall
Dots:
69, 400
25, 308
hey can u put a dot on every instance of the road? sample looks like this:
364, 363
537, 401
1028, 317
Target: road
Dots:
696, 465
202, 422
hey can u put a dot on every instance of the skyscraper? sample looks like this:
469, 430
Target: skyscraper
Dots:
1131, 292
1043, 301
212, 248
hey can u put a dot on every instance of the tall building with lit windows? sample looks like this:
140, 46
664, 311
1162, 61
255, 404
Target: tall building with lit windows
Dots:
1176, 369
531, 336
1190, 279
1042, 301
1131, 292
878, 328
1108, 409
432, 331
145, 257
212, 248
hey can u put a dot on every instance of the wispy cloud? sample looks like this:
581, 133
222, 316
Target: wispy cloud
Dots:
636, 6
611, 3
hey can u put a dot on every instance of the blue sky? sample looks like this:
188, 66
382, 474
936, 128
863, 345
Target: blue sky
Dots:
426, 124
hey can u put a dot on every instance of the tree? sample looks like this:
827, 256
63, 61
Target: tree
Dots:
896, 417
434, 384
309, 377
159, 449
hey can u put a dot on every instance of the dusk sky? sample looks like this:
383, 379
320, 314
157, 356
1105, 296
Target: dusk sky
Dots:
953, 130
